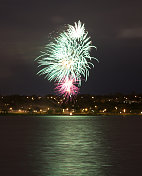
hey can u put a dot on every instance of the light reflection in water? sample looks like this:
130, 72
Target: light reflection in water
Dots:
69, 146
79, 146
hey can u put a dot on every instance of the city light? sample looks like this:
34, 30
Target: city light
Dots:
124, 110
82, 105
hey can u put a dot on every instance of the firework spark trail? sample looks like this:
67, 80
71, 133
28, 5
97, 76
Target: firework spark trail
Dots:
68, 56
68, 87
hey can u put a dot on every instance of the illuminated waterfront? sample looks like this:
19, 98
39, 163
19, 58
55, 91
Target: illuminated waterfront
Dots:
116, 104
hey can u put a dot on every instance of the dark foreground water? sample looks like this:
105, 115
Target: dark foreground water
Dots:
79, 146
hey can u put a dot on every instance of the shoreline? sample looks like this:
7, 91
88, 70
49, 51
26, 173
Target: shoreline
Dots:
74, 114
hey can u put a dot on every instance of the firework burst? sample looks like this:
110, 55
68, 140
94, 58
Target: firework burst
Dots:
68, 87
67, 59
68, 55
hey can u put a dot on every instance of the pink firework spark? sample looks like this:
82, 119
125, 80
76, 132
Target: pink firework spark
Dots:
67, 87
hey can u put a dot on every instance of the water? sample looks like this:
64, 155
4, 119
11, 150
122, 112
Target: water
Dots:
71, 145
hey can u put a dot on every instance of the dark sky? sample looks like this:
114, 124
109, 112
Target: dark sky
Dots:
115, 28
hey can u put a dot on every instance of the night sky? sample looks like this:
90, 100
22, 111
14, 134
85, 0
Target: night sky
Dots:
115, 28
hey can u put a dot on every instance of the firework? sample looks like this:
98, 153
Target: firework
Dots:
67, 60
68, 87
68, 55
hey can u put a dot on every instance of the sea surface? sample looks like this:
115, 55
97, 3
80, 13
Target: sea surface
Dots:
70, 145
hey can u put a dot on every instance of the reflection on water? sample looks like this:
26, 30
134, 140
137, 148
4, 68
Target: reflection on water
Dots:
56, 146
73, 147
